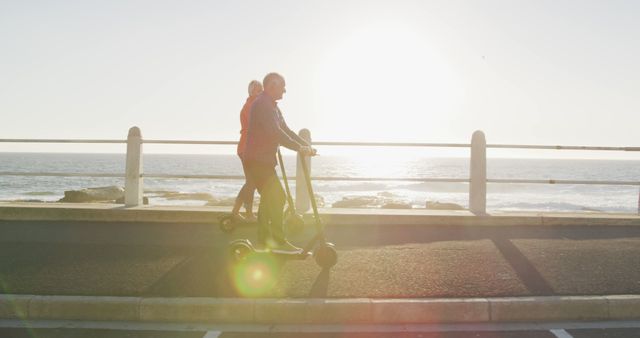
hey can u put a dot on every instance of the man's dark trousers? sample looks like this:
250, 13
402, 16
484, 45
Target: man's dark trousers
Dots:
272, 200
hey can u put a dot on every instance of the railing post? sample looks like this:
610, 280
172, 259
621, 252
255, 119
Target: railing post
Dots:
133, 188
302, 195
478, 174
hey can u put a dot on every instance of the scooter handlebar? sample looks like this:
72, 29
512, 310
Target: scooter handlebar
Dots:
308, 151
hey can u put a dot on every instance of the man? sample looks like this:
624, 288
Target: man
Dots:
267, 131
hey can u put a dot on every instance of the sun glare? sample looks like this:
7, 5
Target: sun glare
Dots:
254, 276
384, 76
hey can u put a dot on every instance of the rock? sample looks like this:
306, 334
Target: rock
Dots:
93, 195
379, 201
357, 202
227, 202
196, 196
386, 194
443, 206
319, 201
145, 200
396, 205
158, 191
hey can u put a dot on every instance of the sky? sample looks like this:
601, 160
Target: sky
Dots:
524, 72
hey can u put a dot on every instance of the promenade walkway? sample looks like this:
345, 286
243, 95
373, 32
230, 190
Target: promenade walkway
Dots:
423, 255
452, 268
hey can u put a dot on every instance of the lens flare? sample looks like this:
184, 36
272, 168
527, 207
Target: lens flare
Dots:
255, 275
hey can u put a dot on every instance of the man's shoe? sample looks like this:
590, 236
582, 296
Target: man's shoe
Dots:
286, 248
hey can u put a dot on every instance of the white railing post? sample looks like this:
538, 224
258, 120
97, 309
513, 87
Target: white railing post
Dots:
638, 201
478, 174
133, 188
302, 195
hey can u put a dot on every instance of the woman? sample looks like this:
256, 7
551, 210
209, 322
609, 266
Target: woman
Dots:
245, 196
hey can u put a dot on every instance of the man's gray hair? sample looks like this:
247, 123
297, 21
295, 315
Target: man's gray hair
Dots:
271, 78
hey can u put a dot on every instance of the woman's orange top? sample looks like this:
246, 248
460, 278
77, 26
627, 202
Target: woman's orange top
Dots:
244, 123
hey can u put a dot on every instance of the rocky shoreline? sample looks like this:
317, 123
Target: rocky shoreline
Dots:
115, 194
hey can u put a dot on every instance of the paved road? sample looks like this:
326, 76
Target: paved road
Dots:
373, 262
602, 332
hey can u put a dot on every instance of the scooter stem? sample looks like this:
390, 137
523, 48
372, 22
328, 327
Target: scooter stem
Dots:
286, 183
312, 196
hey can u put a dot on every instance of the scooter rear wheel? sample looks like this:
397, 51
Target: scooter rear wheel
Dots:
227, 225
240, 250
326, 255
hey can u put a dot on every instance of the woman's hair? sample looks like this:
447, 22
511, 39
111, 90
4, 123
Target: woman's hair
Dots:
253, 86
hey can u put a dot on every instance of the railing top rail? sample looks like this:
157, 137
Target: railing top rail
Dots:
559, 147
189, 142
393, 144
24, 140
336, 143
323, 143
552, 181
51, 174
366, 144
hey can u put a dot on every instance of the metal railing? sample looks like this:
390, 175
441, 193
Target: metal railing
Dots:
477, 180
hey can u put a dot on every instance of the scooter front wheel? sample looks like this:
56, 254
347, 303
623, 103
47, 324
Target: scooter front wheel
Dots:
326, 255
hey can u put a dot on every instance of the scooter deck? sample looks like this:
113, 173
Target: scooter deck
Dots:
290, 255
247, 244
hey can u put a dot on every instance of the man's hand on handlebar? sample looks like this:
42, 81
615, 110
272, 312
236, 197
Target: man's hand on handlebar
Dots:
307, 151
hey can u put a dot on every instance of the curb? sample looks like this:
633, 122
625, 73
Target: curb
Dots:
183, 214
321, 311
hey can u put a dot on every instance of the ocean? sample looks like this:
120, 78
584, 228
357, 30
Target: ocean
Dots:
500, 197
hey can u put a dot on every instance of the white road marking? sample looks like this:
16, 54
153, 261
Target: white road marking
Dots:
212, 334
560, 333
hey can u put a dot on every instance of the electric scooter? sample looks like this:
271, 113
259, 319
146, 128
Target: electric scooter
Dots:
323, 252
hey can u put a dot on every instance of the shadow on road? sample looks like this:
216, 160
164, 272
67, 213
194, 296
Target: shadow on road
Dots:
374, 236
204, 274
321, 285
526, 271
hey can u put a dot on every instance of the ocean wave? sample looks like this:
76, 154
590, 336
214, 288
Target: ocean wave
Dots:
193, 196
451, 187
159, 192
359, 186
28, 200
381, 200
545, 206
40, 193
